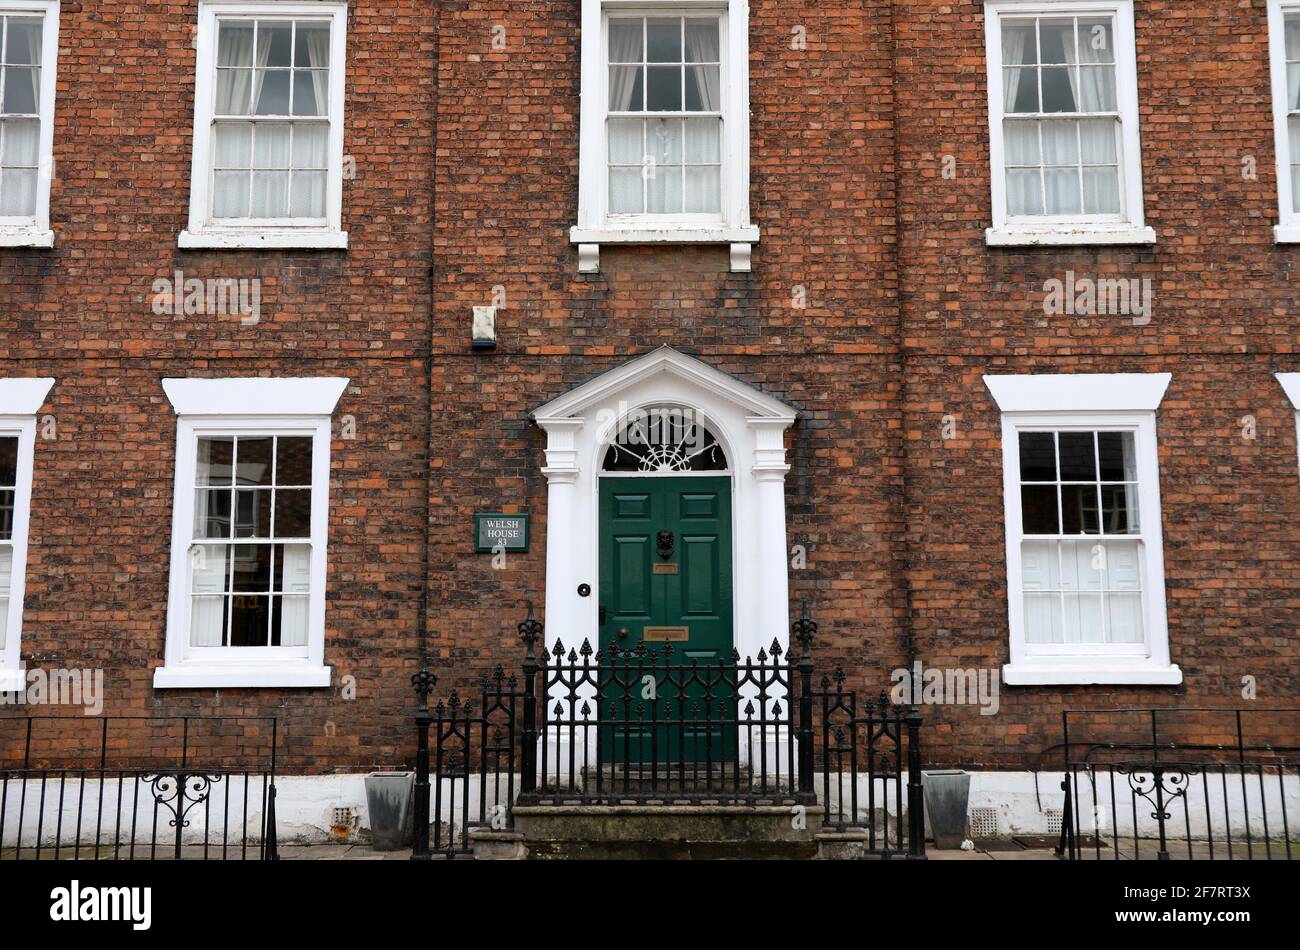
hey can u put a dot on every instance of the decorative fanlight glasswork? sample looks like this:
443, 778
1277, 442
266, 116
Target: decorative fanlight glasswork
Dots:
664, 440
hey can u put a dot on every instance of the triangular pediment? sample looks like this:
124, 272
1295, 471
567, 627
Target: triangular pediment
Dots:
677, 368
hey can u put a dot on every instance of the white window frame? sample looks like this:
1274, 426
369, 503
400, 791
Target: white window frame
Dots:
1128, 227
595, 226
203, 230
1291, 384
206, 407
35, 231
1123, 402
20, 400
1288, 228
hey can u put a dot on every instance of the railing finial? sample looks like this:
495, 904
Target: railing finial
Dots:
803, 630
530, 631
423, 682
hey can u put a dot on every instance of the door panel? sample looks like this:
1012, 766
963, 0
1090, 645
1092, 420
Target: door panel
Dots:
665, 561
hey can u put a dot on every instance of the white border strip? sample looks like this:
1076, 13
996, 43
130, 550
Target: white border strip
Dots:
24, 397
1081, 392
255, 396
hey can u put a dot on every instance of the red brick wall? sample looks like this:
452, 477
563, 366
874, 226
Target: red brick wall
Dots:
906, 309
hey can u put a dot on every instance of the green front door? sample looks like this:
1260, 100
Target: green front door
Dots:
665, 577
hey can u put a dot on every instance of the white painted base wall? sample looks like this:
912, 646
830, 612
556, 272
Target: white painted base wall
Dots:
306, 808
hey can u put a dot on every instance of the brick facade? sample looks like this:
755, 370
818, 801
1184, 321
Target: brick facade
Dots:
466, 182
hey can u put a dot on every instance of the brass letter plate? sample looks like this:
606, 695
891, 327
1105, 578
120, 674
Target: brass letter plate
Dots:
664, 569
665, 634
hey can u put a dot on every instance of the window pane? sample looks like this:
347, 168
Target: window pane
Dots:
254, 461
1037, 457
703, 141
702, 89
293, 460
1043, 623
208, 621
235, 43
625, 147
20, 89
310, 91
234, 92
8, 461
1082, 564
664, 142
1060, 142
292, 513
23, 41
309, 145
209, 568
216, 459
230, 194
664, 89
291, 568
233, 143
1024, 192
1040, 565
703, 190
289, 623
1123, 565
1083, 623
625, 191
1118, 456
1096, 40
1097, 137
212, 513
1295, 186
702, 44
1119, 509
251, 570
1097, 89
1038, 505
272, 92
1057, 37
274, 42
7, 496
1079, 511
253, 513
307, 195
1062, 191
1078, 457
18, 192
270, 195
250, 620
312, 46
1292, 34
1058, 89
1101, 191
21, 142
1124, 616
1019, 43
625, 89
664, 40
1020, 89
664, 190
1021, 145
625, 40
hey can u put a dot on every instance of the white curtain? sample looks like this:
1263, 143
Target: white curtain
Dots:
318, 52
702, 47
208, 605
624, 46
296, 586
234, 84
1013, 54
21, 137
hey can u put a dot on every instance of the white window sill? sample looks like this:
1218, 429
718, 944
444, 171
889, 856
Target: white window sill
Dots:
26, 237
204, 675
1068, 236
269, 239
668, 234
13, 681
1091, 672
1287, 233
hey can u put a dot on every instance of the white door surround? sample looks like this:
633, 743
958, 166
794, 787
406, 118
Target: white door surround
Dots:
749, 425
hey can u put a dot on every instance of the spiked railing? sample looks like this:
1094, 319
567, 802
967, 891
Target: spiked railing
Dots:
652, 725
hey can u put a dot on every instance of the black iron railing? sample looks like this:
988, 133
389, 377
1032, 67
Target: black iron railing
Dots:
647, 725
124, 788
1180, 783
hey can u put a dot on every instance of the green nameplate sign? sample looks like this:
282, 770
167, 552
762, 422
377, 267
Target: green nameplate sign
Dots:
494, 532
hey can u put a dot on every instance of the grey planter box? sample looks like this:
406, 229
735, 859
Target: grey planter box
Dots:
389, 801
947, 793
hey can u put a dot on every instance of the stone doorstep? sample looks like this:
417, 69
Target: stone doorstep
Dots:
651, 823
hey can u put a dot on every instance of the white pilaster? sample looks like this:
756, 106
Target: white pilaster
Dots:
769, 470
561, 471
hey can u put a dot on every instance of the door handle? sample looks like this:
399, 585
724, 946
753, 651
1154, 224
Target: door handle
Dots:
623, 633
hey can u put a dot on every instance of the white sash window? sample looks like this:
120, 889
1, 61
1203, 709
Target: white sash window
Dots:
29, 46
1284, 43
